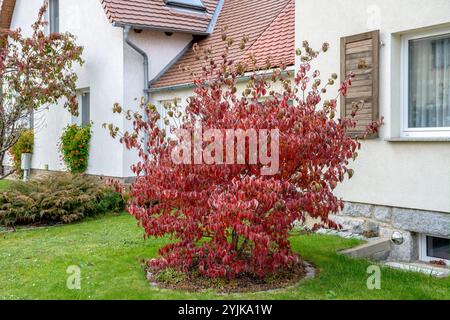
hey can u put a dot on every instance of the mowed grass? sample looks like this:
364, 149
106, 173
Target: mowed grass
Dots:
4, 185
33, 265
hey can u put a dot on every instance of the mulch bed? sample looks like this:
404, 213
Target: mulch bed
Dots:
194, 282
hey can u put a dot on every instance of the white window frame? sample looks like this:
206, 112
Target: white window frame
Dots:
51, 17
423, 249
162, 110
78, 120
406, 132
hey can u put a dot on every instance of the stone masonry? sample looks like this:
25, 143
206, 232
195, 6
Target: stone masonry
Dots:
383, 221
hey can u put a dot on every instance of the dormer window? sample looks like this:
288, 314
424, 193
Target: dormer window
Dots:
196, 5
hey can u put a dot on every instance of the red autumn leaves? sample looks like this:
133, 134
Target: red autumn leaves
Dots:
226, 220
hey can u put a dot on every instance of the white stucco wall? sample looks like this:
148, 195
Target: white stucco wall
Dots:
161, 49
406, 174
102, 74
113, 73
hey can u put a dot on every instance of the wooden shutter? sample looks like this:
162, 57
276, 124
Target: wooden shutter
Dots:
6, 13
360, 55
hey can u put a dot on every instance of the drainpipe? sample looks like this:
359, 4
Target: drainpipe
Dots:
126, 33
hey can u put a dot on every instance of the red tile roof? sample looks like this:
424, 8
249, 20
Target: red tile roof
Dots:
269, 24
144, 13
156, 14
277, 43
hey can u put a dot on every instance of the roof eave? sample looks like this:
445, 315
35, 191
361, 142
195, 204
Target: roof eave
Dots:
246, 77
149, 27
209, 30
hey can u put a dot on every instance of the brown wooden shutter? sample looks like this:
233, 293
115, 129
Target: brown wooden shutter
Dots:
360, 55
6, 13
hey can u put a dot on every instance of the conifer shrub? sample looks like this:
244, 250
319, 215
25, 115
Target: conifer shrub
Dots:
60, 198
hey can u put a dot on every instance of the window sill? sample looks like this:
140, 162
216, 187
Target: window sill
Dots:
417, 139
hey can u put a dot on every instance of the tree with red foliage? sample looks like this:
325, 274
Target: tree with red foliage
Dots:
226, 220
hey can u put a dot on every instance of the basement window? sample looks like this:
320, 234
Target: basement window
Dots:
434, 249
187, 4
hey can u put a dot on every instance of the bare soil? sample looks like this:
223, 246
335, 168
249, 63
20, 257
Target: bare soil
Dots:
247, 283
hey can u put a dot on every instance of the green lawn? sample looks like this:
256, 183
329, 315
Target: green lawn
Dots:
4, 184
33, 265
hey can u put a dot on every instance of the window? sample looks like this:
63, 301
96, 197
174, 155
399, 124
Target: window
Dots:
187, 4
426, 85
84, 109
31, 120
266, 98
434, 248
54, 16
167, 107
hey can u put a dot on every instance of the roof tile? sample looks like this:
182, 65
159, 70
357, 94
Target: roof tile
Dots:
269, 24
277, 43
156, 14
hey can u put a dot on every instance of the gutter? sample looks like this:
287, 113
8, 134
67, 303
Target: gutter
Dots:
209, 31
244, 78
126, 34
147, 84
128, 27
148, 27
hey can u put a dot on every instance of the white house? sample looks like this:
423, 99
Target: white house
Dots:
136, 48
113, 71
402, 178
122, 39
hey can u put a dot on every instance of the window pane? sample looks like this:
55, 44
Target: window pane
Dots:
54, 16
85, 109
438, 248
190, 4
31, 120
429, 82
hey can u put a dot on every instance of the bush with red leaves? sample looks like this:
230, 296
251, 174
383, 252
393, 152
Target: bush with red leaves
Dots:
227, 219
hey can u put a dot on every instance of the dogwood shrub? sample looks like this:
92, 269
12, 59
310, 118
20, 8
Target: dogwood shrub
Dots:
230, 219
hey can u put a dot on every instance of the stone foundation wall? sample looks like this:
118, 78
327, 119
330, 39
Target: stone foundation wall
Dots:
383, 221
